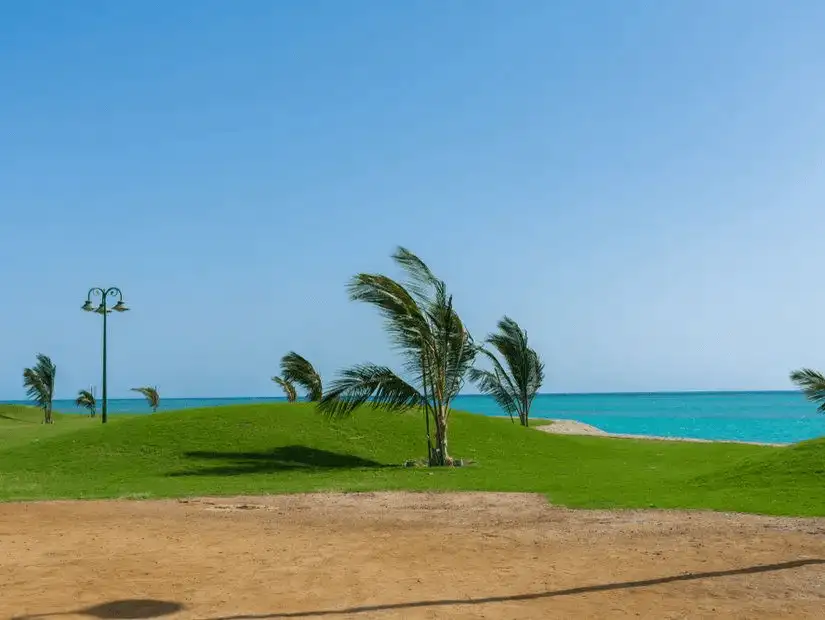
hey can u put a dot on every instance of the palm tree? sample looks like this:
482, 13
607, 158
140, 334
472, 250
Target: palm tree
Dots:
86, 400
437, 351
39, 383
151, 394
296, 369
515, 383
812, 384
288, 387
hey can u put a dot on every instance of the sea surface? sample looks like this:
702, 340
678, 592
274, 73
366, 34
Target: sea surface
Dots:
771, 417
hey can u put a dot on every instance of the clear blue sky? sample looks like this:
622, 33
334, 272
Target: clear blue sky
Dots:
640, 184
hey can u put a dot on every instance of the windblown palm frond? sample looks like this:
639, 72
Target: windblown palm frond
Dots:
151, 394
496, 384
288, 388
367, 382
34, 386
515, 383
39, 383
436, 350
812, 384
86, 400
297, 369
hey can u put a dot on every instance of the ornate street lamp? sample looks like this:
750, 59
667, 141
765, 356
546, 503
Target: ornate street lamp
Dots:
102, 309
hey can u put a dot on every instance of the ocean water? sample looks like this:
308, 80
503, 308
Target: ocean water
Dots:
770, 417
773, 417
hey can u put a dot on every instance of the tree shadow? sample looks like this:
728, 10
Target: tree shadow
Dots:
284, 458
625, 585
133, 609
11, 418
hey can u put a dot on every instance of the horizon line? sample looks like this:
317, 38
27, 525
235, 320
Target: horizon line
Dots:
614, 393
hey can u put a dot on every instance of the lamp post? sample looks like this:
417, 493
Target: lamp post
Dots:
102, 309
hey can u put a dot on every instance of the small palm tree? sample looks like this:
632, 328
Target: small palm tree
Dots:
297, 370
86, 400
39, 383
151, 394
288, 387
812, 384
436, 348
515, 383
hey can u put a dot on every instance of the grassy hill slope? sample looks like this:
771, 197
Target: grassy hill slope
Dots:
21, 424
277, 448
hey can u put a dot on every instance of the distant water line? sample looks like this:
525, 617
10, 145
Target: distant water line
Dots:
770, 417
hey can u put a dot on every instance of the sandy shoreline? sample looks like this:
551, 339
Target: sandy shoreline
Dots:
572, 427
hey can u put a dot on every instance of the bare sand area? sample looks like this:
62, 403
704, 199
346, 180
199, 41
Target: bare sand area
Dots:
401, 555
573, 427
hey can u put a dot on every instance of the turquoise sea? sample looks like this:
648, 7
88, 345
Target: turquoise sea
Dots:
774, 417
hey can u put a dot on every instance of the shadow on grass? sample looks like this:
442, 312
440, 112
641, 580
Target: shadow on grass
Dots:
4, 416
532, 596
285, 458
136, 609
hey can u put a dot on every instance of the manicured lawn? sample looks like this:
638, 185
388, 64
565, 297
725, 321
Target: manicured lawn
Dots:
22, 425
281, 448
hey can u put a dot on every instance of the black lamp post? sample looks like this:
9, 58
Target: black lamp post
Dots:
102, 309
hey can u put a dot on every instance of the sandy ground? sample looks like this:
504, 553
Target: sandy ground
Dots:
573, 427
401, 555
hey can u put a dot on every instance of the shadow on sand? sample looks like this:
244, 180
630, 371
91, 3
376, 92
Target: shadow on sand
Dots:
750, 570
134, 609
285, 458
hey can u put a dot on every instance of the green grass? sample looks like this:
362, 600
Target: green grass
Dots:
20, 424
280, 448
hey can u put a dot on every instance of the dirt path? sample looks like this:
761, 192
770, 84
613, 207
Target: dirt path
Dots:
401, 556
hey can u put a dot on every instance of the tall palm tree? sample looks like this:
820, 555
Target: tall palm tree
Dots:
151, 395
436, 349
812, 384
39, 383
297, 370
288, 388
515, 383
86, 400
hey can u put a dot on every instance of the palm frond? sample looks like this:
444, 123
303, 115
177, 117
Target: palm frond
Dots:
460, 351
84, 397
492, 383
519, 374
812, 384
421, 283
368, 382
47, 371
39, 382
403, 318
288, 388
511, 343
35, 388
151, 394
296, 369
86, 400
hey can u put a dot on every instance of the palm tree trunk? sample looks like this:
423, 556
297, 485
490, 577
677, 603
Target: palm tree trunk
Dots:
441, 455
426, 408
429, 439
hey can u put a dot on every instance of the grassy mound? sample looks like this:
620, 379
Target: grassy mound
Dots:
22, 424
793, 476
13, 414
281, 448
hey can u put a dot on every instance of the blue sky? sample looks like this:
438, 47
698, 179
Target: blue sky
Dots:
640, 184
